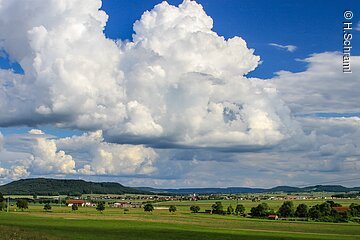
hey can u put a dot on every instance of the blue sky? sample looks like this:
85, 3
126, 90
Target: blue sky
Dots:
83, 103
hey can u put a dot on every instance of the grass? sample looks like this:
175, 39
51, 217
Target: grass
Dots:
248, 204
87, 223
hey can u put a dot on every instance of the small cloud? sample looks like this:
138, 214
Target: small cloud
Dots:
36, 132
357, 28
289, 48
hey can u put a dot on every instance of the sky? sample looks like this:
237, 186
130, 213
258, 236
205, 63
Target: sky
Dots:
180, 93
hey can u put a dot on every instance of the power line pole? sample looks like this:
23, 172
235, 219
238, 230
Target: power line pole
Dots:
8, 205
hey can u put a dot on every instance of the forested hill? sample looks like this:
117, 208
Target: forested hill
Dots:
46, 186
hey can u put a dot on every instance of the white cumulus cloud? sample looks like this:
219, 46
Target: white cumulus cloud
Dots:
178, 82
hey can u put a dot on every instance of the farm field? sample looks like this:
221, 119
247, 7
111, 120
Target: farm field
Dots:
87, 223
248, 204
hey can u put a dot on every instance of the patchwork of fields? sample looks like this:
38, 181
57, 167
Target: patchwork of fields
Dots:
113, 223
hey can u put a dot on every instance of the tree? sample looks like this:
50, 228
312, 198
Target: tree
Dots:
47, 207
2, 202
302, 210
240, 209
194, 209
22, 204
314, 212
355, 210
74, 207
333, 204
217, 208
2, 206
325, 209
148, 207
286, 209
172, 208
2, 199
100, 207
260, 210
230, 210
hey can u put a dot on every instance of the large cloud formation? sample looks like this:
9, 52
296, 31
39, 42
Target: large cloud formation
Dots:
38, 153
177, 82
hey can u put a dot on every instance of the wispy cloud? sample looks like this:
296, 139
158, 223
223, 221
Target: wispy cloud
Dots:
289, 48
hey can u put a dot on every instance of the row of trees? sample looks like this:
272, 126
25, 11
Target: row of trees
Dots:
320, 212
217, 208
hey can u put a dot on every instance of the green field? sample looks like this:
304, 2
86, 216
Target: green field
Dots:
87, 223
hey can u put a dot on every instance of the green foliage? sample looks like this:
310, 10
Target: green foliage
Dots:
355, 210
217, 208
47, 207
100, 207
148, 207
22, 204
230, 210
194, 209
287, 209
53, 187
314, 212
172, 208
346, 195
74, 207
333, 204
240, 209
324, 212
261, 210
302, 210
2, 206
2, 202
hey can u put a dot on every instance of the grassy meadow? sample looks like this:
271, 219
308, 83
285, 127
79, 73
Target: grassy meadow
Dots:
114, 223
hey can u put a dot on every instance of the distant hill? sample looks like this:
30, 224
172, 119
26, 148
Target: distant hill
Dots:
46, 186
233, 190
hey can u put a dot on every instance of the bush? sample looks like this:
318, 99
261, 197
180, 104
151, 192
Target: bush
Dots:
74, 207
100, 207
47, 207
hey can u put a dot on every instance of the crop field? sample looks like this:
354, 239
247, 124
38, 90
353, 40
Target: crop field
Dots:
135, 224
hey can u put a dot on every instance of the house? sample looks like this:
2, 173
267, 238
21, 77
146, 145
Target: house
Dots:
273, 217
76, 202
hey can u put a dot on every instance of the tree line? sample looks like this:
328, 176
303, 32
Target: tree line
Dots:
325, 212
